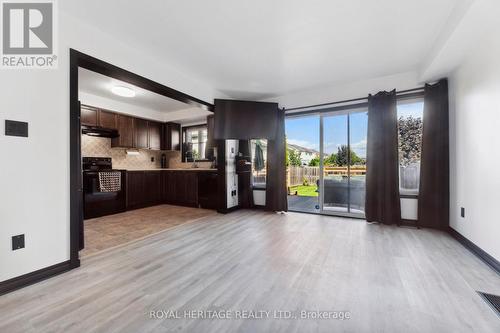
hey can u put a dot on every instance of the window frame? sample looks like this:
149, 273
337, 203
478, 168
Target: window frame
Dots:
409, 99
185, 129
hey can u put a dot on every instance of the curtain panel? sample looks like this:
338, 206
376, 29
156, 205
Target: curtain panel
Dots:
276, 194
382, 174
434, 192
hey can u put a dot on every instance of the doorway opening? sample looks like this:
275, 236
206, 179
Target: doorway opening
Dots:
104, 133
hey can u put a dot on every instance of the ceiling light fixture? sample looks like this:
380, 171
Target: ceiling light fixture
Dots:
123, 91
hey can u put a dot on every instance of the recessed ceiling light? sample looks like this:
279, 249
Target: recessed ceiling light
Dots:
123, 91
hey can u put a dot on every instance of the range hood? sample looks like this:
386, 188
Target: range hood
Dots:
100, 131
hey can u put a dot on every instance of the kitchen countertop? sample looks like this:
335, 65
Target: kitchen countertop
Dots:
171, 169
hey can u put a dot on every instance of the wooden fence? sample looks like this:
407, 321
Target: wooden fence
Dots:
297, 175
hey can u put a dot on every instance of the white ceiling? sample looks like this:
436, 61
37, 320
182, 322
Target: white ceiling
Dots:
100, 85
262, 48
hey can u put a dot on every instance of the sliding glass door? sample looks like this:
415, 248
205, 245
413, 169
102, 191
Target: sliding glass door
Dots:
326, 162
302, 136
343, 162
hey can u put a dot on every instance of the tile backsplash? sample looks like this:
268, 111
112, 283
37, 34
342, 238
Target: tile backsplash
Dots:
101, 147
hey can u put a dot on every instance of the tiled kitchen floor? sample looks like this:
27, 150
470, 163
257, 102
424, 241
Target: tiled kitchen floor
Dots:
113, 230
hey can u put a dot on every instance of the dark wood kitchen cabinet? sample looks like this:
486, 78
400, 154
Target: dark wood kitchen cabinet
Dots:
207, 190
175, 187
88, 116
107, 119
191, 181
135, 189
143, 189
125, 126
154, 135
152, 187
140, 133
180, 188
171, 138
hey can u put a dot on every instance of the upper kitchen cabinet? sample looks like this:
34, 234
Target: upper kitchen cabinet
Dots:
154, 133
125, 128
171, 137
88, 116
141, 133
107, 119
210, 145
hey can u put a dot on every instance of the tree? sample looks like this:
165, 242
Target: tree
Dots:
331, 160
314, 162
294, 158
346, 155
410, 140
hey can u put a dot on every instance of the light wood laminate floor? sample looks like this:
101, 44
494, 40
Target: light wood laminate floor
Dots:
390, 279
105, 232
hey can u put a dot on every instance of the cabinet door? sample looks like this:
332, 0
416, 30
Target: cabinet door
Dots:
108, 119
209, 150
154, 132
171, 187
152, 187
171, 136
88, 116
175, 135
135, 189
191, 185
140, 133
126, 131
164, 186
207, 190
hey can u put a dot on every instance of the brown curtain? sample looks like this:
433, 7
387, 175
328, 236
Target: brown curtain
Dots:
276, 196
434, 192
382, 176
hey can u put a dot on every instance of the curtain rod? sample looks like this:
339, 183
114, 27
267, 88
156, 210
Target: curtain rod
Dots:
349, 100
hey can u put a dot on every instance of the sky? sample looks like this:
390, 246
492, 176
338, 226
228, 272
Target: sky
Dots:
304, 131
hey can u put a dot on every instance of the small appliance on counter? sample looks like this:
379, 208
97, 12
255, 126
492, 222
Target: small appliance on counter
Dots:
103, 187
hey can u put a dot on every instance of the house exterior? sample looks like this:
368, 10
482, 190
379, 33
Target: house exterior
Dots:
305, 154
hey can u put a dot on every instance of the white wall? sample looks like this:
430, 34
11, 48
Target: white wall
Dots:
34, 171
475, 142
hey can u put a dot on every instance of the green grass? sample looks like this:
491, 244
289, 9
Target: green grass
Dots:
305, 191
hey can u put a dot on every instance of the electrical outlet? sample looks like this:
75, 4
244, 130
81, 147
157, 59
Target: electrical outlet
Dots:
462, 212
17, 242
152, 159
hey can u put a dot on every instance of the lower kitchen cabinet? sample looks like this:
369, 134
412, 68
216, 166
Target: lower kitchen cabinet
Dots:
183, 188
180, 188
143, 189
207, 190
152, 188
135, 189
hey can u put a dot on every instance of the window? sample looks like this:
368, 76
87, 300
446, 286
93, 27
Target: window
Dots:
410, 121
194, 141
259, 162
